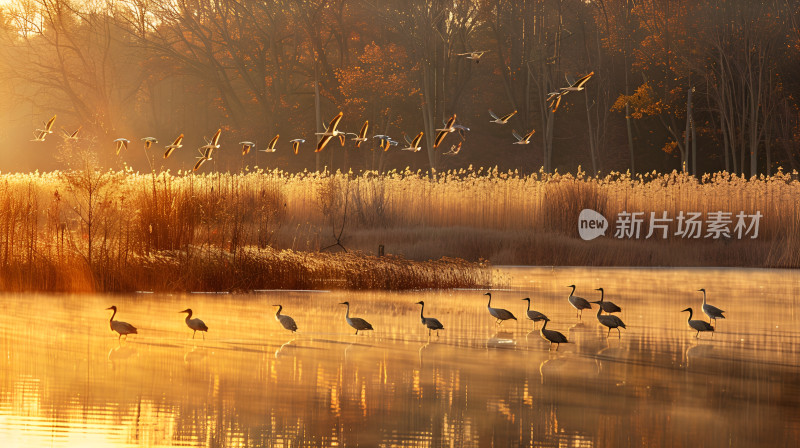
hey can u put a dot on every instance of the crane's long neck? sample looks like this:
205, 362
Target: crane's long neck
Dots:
690, 316
278, 313
421, 310
602, 294
347, 314
573, 291
529, 304
112, 315
490, 301
704, 297
545, 325
188, 315
599, 310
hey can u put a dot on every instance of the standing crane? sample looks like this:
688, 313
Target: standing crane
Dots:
195, 324
356, 322
498, 313
122, 328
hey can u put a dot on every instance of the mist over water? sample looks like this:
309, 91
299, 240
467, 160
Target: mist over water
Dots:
66, 380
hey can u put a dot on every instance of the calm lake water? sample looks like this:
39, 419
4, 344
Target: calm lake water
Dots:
65, 380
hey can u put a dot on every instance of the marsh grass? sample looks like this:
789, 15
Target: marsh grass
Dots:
91, 229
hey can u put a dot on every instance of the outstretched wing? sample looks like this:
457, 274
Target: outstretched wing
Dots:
322, 142
333, 124
215, 138
49, 125
439, 137
508, 116
272, 143
416, 141
363, 132
199, 163
450, 122
516, 136
493, 115
580, 82
554, 104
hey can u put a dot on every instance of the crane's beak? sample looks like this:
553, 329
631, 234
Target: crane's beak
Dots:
687, 309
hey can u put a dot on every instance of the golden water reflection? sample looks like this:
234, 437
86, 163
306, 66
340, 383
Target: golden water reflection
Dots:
67, 381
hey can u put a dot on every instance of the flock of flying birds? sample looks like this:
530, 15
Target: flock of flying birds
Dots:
331, 131
609, 320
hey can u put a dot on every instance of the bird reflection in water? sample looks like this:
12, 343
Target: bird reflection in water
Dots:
196, 354
285, 348
501, 339
120, 353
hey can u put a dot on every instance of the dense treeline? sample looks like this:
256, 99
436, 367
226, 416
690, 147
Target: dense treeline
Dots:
706, 84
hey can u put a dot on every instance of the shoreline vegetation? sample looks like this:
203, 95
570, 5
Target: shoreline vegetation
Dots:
104, 230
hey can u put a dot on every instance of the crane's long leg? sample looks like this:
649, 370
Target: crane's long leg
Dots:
194, 333
619, 334
558, 344
609, 332
697, 336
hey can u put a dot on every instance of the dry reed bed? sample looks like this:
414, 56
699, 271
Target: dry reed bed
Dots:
120, 230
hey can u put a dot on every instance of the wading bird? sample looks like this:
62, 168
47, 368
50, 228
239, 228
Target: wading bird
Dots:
121, 143
474, 55
608, 307
73, 136
522, 140
699, 325
148, 142
296, 144
271, 145
535, 316
123, 328
552, 336
246, 147
175, 145
355, 322
448, 128
361, 137
579, 303
330, 132
212, 144
609, 321
501, 120
454, 150
498, 313
195, 324
413, 145
711, 311
431, 323
286, 321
